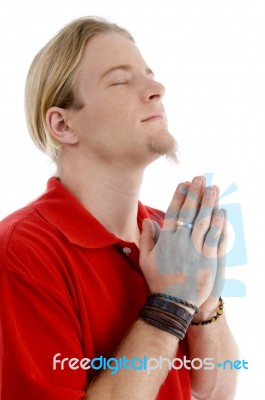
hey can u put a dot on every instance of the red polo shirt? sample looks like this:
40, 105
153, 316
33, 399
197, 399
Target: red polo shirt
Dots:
67, 286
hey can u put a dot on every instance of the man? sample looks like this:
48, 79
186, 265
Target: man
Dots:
86, 271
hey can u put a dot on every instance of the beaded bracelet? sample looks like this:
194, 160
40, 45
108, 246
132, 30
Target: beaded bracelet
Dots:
219, 312
177, 300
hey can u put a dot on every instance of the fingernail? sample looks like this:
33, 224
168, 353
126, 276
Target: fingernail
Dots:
197, 182
183, 189
218, 213
209, 193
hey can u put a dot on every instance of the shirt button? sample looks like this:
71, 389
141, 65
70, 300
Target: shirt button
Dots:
127, 250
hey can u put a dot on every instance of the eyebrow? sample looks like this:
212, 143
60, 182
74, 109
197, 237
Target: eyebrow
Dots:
126, 68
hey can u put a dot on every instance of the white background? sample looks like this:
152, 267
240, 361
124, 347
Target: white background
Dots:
210, 55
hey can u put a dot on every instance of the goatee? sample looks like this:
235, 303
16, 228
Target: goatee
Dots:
165, 145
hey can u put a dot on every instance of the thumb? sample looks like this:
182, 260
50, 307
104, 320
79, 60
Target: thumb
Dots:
146, 243
156, 231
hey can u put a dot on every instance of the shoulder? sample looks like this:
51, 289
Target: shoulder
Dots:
28, 227
34, 252
13, 222
27, 242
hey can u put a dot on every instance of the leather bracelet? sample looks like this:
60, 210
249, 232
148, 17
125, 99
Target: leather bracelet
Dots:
218, 314
163, 319
165, 315
174, 331
177, 300
170, 307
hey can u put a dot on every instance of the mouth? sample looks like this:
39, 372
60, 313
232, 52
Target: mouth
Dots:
160, 116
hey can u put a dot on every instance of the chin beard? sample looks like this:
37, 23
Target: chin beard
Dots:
164, 145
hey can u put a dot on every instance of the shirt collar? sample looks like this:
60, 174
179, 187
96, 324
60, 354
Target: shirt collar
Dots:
61, 209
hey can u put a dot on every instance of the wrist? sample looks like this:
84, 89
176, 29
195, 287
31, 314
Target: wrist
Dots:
189, 309
166, 315
192, 308
207, 309
208, 315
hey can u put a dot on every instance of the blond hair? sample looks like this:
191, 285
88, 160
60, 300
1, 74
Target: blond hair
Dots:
50, 80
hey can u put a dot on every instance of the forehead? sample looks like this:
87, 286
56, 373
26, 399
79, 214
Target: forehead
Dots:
106, 50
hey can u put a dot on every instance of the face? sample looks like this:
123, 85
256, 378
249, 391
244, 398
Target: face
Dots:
123, 119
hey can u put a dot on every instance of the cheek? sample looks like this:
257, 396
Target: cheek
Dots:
114, 118
109, 115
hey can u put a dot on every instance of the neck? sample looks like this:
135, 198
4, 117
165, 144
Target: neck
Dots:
110, 193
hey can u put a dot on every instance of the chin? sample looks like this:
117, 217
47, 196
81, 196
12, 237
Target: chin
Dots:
163, 144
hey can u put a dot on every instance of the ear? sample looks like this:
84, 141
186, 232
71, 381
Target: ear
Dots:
59, 125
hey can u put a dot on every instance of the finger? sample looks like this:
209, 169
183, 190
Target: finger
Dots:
146, 242
203, 220
190, 207
222, 247
216, 204
156, 231
175, 206
213, 235
221, 258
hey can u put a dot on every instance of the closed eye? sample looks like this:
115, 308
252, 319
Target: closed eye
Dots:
120, 83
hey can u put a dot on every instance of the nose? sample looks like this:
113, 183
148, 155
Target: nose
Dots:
153, 91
